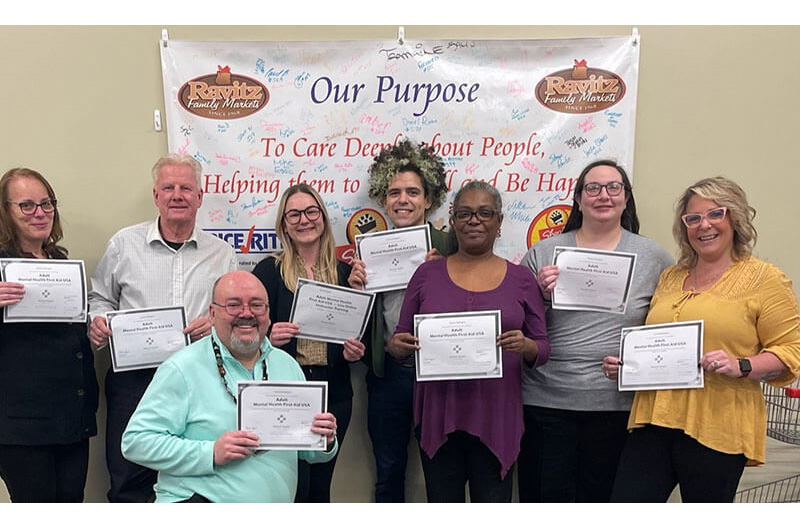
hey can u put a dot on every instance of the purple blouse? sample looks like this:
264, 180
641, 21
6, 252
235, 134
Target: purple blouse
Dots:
490, 409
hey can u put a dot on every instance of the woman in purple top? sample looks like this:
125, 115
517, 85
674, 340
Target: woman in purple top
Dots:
470, 430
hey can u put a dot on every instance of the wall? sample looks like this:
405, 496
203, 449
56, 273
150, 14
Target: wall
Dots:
79, 101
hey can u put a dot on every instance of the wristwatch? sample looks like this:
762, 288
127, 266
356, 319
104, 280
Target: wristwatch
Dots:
745, 367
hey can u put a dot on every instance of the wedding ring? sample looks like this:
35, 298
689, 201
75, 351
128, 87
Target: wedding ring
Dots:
716, 364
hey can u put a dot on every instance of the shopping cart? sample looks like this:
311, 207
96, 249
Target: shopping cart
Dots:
783, 423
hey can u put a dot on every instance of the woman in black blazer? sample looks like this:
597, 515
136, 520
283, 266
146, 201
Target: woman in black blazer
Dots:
48, 388
309, 251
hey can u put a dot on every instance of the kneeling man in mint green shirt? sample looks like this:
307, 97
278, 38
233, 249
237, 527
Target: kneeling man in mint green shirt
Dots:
185, 425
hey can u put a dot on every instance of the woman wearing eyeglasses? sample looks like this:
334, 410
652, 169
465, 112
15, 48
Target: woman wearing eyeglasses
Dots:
309, 252
469, 430
48, 388
575, 419
702, 439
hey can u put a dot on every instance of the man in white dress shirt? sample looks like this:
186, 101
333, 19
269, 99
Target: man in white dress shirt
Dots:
164, 262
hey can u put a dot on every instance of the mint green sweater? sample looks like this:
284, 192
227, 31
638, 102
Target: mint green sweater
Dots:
186, 408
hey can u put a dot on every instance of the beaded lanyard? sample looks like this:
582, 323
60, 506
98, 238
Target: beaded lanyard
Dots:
221, 368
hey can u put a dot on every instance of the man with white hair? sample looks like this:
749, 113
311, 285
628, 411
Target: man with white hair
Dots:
163, 262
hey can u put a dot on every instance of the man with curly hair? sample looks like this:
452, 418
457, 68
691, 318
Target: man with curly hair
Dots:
407, 180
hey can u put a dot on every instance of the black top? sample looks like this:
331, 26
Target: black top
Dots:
48, 388
280, 307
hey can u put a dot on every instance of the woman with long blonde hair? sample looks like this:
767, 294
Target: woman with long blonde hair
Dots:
304, 229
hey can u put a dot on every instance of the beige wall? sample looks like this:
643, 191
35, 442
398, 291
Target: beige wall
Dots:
78, 106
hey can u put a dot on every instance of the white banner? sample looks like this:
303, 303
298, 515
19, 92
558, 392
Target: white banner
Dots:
525, 116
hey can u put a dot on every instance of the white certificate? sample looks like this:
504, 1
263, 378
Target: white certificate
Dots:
663, 356
55, 290
457, 346
391, 257
592, 280
281, 413
330, 313
144, 338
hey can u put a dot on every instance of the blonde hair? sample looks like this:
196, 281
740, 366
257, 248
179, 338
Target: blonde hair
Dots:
726, 193
178, 159
288, 258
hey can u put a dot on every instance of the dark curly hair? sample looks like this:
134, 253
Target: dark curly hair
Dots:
407, 156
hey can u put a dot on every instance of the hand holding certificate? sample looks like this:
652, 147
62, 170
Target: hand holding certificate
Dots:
55, 290
281, 413
145, 338
391, 257
458, 346
592, 280
663, 356
329, 313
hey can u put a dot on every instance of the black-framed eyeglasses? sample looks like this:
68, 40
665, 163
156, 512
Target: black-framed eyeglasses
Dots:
714, 216
28, 207
237, 308
612, 188
312, 212
483, 215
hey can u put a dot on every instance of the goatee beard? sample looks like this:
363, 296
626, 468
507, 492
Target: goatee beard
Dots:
244, 347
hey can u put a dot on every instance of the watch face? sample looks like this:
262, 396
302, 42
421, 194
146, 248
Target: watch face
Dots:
744, 366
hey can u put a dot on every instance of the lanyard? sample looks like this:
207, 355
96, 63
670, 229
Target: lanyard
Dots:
221, 368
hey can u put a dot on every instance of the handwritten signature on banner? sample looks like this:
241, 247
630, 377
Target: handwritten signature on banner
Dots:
405, 53
613, 118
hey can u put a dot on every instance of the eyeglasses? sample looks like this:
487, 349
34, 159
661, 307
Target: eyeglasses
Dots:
612, 188
293, 215
714, 216
237, 308
28, 207
483, 215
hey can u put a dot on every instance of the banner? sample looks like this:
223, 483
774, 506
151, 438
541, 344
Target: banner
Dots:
525, 116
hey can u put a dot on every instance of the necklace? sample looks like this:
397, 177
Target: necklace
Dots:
221, 368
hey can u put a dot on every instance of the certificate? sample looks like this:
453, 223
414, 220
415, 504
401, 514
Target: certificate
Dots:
330, 313
663, 356
391, 257
144, 338
592, 280
457, 346
55, 290
281, 413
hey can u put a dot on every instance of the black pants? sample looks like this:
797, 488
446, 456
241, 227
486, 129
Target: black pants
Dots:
390, 421
570, 456
47, 473
656, 459
462, 460
314, 480
129, 482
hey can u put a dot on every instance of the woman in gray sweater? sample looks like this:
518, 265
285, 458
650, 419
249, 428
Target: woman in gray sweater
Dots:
575, 419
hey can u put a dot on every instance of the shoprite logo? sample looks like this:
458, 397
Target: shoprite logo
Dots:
548, 223
223, 95
580, 89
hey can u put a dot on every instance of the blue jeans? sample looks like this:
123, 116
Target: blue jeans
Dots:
570, 456
390, 418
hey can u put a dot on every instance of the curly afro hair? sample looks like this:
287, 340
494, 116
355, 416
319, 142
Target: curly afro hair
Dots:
407, 156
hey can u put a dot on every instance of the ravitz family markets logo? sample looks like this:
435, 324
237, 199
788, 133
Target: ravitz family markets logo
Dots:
580, 89
223, 95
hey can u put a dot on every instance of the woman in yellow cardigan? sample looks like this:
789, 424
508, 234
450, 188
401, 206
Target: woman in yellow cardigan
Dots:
701, 439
